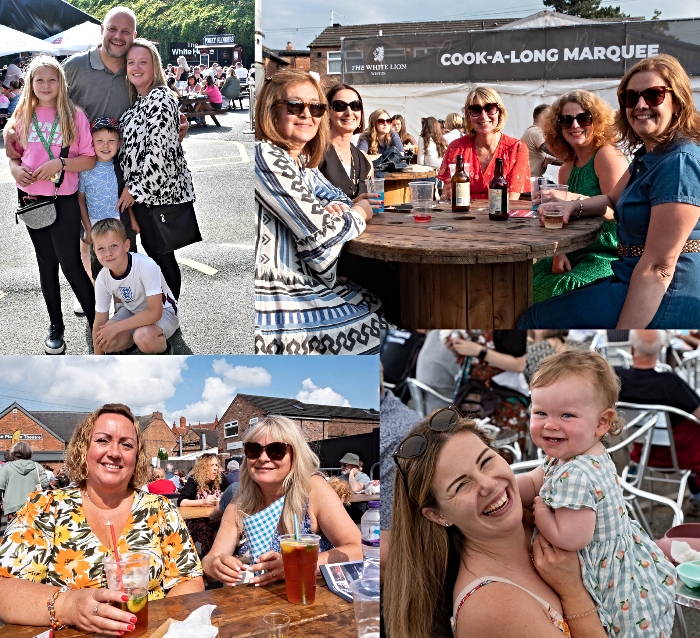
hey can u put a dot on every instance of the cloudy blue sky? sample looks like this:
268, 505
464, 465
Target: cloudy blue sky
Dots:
301, 21
198, 387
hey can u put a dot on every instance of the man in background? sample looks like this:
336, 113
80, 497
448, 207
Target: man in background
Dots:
540, 156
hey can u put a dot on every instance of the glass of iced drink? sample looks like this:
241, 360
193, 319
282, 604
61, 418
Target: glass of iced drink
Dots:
131, 575
300, 559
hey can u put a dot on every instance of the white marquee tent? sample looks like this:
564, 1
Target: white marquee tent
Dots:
12, 41
78, 38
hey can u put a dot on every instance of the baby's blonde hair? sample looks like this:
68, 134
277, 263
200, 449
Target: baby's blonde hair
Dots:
572, 362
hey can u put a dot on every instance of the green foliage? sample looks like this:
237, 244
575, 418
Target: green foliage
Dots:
585, 9
162, 454
165, 21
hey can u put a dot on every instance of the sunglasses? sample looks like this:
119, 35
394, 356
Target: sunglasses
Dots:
340, 107
414, 445
275, 451
491, 109
567, 121
297, 107
653, 96
381, 120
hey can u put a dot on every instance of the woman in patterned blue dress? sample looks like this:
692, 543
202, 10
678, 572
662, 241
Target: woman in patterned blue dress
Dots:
579, 505
302, 306
280, 464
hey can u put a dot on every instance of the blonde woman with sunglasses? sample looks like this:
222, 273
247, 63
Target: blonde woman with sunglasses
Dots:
279, 463
656, 280
485, 116
379, 136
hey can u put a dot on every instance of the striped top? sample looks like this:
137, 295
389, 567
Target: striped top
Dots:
301, 305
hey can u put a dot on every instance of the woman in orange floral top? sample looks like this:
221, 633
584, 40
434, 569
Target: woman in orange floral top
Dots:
51, 557
486, 116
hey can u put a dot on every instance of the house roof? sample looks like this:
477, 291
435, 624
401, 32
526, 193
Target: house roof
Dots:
210, 436
297, 409
292, 53
56, 429
268, 53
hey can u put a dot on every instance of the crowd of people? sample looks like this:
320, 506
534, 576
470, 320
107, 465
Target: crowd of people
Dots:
55, 542
634, 165
544, 540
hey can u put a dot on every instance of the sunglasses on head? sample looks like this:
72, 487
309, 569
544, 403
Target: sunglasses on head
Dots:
567, 121
414, 445
653, 96
381, 120
275, 451
491, 109
340, 107
297, 107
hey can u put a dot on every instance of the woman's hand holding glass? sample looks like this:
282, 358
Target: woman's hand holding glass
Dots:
570, 208
91, 610
374, 200
226, 568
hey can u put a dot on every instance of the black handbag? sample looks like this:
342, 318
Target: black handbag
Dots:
39, 211
176, 226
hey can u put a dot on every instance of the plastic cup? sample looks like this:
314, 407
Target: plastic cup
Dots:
133, 581
421, 211
536, 183
300, 559
421, 191
453, 168
276, 625
376, 185
365, 598
553, 215
554, 192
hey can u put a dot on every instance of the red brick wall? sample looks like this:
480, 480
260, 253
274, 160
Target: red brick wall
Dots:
16, 420
297, 62
158, 435
319, 63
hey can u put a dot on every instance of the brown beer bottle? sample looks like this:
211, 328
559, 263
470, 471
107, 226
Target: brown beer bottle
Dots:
460, 188
498, 194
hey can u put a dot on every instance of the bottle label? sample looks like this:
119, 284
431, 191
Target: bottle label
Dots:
494, 201
462, 195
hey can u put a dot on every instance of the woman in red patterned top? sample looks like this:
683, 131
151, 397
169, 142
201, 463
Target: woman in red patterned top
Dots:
484, 142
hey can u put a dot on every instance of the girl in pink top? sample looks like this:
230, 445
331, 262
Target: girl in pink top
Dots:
46, 121
213, 93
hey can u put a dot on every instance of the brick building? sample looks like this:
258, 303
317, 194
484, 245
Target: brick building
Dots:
156, 434
317, 422
192, 436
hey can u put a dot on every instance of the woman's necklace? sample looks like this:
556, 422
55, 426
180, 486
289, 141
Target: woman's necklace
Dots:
485, 153
522, 571
353, 177
108, 521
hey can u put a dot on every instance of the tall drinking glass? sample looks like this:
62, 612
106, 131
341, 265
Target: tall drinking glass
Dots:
131, 576
365, 598
300, 559
376, 185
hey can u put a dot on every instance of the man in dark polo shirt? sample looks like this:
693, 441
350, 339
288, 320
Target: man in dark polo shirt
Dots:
642, 384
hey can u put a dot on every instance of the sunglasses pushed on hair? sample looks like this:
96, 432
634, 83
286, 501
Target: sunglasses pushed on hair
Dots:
567, 121
275, 451
653, 96
414, 445
296, 107
490, 109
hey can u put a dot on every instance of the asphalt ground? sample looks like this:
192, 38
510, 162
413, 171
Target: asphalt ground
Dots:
216, 301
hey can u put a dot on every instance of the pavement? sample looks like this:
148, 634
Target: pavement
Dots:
216, 301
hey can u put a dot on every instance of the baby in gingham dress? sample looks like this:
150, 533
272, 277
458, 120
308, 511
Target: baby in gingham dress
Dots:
579, 503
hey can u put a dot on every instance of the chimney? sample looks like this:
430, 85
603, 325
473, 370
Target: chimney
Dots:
204, 441
157, 415
289, 46
183, 422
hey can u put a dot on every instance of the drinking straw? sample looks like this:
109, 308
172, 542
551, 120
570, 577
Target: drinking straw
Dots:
296, 528
116, 557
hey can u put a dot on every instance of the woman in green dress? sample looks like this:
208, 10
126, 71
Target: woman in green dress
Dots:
580, 131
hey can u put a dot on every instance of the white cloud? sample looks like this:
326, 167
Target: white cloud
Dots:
219, 392
311, 393
85, 383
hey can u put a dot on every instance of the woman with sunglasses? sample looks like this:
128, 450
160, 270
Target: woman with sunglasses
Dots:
302, 306
379, 136
279, 463
482, 572
203, 489
656, 280
486, 117
580, 130
398, 124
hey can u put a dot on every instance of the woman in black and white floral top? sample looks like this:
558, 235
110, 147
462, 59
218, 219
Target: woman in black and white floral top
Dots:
151, 156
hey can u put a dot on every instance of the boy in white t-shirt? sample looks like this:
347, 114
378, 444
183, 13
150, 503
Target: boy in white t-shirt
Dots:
147, 314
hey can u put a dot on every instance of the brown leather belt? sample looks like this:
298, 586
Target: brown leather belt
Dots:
691, 246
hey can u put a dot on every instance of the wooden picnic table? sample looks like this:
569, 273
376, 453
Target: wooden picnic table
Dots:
207, 110
239, 612
396, 189
193, 511
364, 498
461, 270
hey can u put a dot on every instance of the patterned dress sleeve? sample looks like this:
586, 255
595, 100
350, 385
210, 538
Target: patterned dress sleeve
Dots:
325, 191
283, 191
161, 114
570, 486
29, 539
180, 560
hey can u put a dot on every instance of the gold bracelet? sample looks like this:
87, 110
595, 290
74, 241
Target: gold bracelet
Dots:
574, 616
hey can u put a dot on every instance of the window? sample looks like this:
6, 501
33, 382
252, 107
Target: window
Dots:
354, 61
230, 429
253, 421
333, 62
